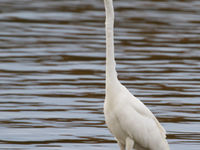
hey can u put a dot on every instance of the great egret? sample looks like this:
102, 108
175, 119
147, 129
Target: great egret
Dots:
127, 118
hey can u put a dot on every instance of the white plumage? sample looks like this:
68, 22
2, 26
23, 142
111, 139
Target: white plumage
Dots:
127, 118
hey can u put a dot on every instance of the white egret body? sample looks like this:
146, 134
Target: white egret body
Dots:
127, 118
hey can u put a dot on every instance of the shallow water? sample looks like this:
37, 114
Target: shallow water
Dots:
52, 62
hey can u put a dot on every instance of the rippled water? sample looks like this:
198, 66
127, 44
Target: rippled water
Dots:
52, 62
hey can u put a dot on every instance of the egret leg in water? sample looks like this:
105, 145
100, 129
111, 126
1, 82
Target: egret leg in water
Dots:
127, 118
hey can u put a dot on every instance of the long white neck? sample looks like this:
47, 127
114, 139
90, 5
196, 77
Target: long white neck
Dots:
111, 74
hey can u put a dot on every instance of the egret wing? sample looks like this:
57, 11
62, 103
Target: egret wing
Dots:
143, 110
138, 107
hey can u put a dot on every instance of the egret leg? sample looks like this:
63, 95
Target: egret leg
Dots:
122, 146
129, 143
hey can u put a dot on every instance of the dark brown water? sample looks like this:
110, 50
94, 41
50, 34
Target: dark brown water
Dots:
52, 62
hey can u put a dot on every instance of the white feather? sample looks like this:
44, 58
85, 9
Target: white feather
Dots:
127, 118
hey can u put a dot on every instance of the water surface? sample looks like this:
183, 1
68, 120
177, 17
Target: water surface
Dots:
52, 78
